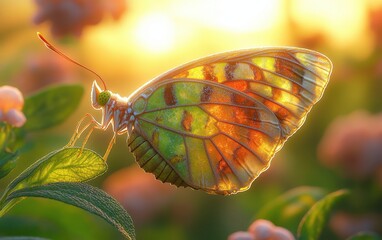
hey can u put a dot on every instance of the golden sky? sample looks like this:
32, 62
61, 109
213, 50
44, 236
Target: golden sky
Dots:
155, 36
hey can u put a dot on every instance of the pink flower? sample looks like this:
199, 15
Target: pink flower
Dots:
140, 193
11, 104
353, 143
72, 16
241, 235
263, 230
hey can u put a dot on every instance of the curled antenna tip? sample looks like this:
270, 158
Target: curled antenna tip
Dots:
39, 35
46, 43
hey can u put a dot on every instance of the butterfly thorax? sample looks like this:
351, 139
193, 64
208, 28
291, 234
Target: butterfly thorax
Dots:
118, 112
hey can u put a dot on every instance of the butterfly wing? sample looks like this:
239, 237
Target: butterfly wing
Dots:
204, 135
289, 81
260, 98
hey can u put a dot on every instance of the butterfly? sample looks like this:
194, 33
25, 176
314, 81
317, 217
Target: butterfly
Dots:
215, 123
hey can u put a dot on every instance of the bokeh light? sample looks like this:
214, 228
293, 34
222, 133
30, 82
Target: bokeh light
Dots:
241, 16
154, 32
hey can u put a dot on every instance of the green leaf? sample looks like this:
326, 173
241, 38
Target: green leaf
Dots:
365, 236
315, 219
65, 165
51, 106
288, 209
4, 134
8, 138
56, 220
84, 196
7, 162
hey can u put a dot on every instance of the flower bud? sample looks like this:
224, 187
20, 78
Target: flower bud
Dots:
261, 229
11, 103
241, 235
15, 118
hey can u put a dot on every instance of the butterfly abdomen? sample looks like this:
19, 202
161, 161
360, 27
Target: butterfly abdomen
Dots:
148, 159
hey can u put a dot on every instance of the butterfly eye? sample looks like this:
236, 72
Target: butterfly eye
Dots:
103, 98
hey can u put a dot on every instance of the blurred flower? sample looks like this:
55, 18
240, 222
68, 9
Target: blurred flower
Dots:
72, 16
345, 225
375, 23
139, 193
41, 70
263, 230
353, 143
115, 7
11, 104
241, 235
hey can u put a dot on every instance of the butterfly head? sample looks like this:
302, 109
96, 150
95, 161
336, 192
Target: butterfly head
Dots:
99, 97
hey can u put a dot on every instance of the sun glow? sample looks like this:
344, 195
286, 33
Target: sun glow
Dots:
155, 32
235, 16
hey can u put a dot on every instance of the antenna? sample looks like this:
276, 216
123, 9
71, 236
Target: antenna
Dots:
54, 49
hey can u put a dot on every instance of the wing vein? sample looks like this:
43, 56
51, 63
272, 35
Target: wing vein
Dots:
245, 146
233, 169
198, 105
173, 130
278, 104
287, 78
298, 63
247, 127
209, 161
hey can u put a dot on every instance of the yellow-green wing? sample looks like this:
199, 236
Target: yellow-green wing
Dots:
203, 134
289, 81
225, 155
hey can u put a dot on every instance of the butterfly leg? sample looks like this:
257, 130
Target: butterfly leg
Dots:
79, 131
117, 129
109, 147
94, 125
87, 137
